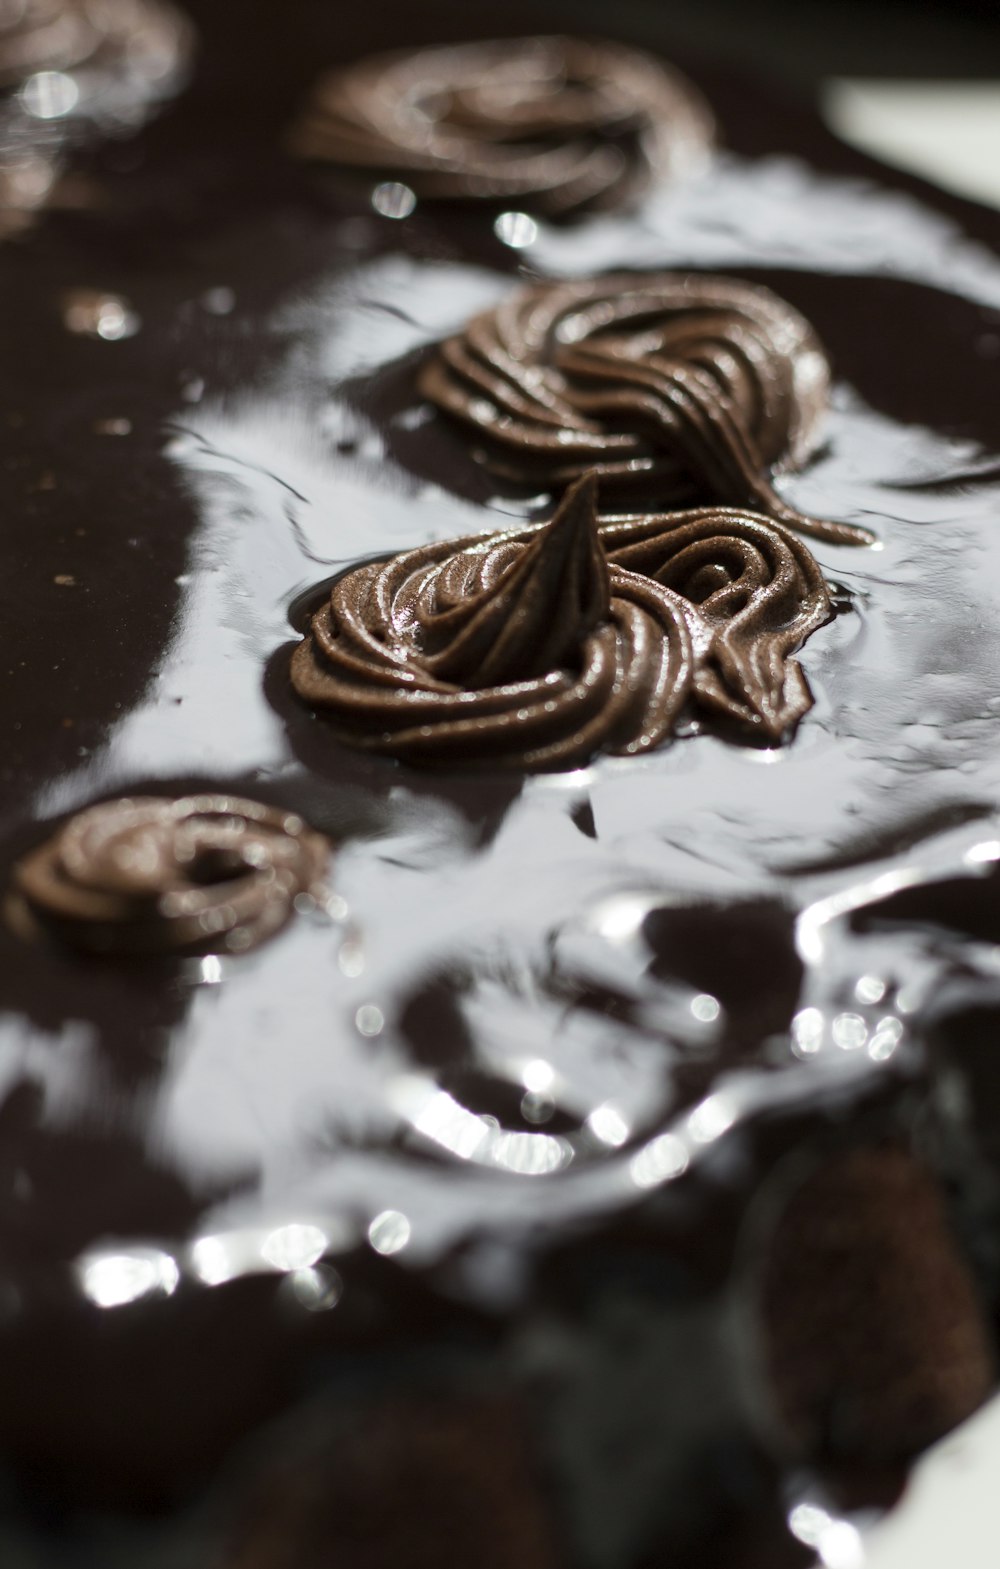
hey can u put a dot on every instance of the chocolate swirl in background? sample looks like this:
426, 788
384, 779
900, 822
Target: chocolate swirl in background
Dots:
115, 59
556, 124
140, 38
149, 875
37, 35
536, 651
678, 388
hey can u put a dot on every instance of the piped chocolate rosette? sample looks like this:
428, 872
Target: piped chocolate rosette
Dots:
677, 389
556, 124
537, 651
149, 875
756, 593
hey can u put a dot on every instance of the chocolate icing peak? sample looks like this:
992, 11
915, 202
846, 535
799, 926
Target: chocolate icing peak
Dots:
134, 37
685, 388
148, 875
560, 655
532, 618
558, 123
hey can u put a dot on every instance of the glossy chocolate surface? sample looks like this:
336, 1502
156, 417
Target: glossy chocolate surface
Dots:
516, 1112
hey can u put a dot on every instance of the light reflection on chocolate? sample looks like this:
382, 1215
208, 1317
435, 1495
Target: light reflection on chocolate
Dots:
150, 875
558, 124
684, 388
537, 651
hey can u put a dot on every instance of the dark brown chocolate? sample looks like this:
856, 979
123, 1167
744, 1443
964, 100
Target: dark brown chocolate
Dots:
413, 1483
536, 652
555, 124
688, 389
875, 1338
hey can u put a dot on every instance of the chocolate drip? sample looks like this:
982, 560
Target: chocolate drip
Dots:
685, 388
560, 124
149, 875
759, 593
530, 652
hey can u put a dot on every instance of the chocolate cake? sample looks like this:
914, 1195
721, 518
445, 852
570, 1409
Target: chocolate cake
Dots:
523, 1134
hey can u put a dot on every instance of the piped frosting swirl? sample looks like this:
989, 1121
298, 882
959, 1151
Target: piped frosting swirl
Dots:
758, 592
687, 389
144, 875
556, 124
521, 651
536, 651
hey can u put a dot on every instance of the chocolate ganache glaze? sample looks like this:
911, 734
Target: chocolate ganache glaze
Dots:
494, 1213
559, 124
202, 874
536, 652
688, 389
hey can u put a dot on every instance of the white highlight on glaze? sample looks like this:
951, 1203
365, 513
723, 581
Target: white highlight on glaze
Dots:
538, 1076
294, 1247
317, 1288
370, 1020
661, 1160
712, 1118
516, 229
705, 1008
393, 199
608, 1125
849, 1031
870, 989
114, 1279
50, 95
389, 1232
808, 1027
